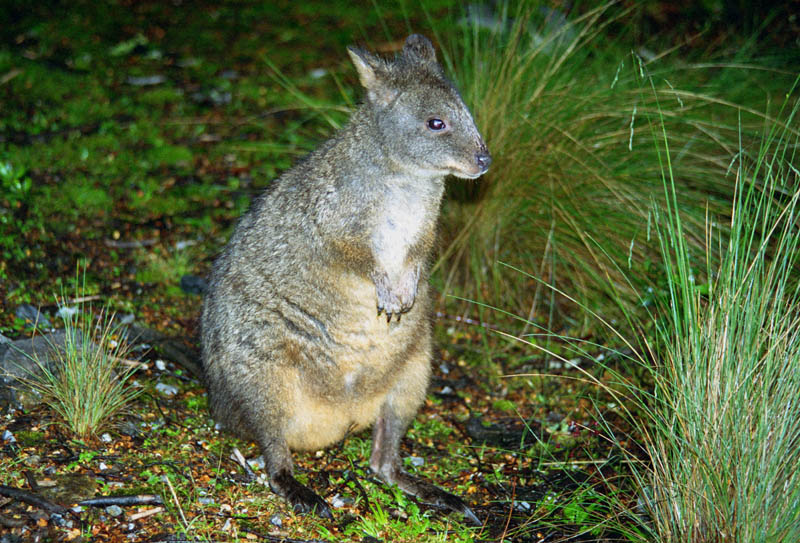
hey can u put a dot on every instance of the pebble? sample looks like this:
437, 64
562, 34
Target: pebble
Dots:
102, 466
114, 510
166, 390
206, 501
338, 501
256, 463
146, 81
275, 520
161, 365
29, 313
446, 390
522, 506
32, 461
416, 461
106, 438
8, 436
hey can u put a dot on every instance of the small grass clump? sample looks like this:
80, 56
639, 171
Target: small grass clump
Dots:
88, 381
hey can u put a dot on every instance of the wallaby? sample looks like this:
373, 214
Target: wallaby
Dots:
294, 355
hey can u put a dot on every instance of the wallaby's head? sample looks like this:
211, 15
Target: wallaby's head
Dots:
421, 120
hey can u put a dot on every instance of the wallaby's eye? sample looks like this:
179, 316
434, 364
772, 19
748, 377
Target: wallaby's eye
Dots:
436, 124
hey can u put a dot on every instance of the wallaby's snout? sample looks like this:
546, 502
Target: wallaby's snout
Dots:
483, 159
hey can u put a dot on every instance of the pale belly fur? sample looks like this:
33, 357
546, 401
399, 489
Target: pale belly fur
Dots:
369, 347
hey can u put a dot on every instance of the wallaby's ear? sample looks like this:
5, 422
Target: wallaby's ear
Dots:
374, 76
420, 49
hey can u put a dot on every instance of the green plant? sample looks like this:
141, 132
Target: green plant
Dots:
725, 424
17, 216
573, 171
88, 382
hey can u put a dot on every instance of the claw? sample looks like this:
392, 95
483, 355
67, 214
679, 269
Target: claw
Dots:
388, 317
380, 310
398, 316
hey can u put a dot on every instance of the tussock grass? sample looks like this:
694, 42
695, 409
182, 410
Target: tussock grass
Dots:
723, 437
574, 167
88, 383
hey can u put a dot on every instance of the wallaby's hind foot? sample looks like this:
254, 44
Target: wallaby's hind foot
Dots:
302, 498
432, 494
385, 462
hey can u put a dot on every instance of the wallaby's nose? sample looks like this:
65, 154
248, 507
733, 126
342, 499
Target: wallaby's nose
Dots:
483, 159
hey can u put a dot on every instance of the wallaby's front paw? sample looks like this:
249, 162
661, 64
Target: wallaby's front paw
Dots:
396, 299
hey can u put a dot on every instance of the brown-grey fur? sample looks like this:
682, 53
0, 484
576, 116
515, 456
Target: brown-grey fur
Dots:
294, 354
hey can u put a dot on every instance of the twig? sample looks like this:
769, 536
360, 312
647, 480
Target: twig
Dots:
131, 363
105, 501
146, 513
177, 503
11, 523
352, 477
31, 480
8, 76
278, 538
32, 499
239, 458
130, 244
83, 299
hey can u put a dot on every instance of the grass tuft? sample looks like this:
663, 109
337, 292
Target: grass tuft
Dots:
574, 169
725, 430
88, 382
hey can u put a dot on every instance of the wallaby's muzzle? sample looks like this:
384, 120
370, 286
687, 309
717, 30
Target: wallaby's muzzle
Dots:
483, 159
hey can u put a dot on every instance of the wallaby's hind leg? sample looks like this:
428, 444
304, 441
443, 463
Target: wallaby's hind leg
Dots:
279, 464
385, 461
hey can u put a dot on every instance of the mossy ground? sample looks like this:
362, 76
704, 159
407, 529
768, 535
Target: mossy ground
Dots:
132, 135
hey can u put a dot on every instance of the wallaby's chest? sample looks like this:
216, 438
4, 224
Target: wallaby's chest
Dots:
403, 219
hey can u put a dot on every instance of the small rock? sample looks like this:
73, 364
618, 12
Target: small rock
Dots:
102, 466
31, 314
339, 501
444, 368
146, 81
416, 461
9, 437
206, 501
125, 320
114, 510
106, 438
167, 390
161, 365
193, 284
446, 390
32, 461
256, 463
573, 363
129, 429
275, 520
317, 73
522, 506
